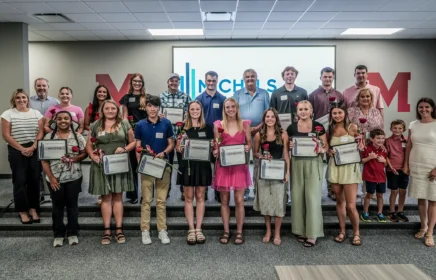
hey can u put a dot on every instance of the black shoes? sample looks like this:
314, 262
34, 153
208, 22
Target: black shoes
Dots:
29, 222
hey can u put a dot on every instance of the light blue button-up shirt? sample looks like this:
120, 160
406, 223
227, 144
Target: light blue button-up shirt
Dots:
42, 105
252, 107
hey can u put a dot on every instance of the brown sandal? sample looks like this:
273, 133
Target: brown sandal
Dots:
120, 237
200, 236
339, 239
239, 239
356, 242
191, 239
420, 234
106, 238
225, 238
429, 241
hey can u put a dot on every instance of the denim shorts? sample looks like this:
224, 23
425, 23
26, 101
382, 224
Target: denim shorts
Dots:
372, 187
397, 181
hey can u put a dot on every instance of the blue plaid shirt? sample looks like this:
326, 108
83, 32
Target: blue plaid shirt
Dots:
176, 100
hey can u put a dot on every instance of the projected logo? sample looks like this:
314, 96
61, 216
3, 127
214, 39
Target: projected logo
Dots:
193, 83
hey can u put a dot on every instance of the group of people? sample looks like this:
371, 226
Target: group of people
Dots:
264, 125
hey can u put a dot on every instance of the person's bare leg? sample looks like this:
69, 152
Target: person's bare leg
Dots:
267, 236
431, 216
199, 205
366, 201
423, 210
277, 227
401, 200
239, 210
350, 192
118, 210
225, 209
379, 203
106, 212
340, 206
189, 207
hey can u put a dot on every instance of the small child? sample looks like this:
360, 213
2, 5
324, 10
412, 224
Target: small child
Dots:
374, 159
397, 179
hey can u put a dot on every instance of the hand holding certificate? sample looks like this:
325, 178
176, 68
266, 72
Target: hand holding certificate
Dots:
174, 115
304, 147
151, 166
116, 163
196, 150
232, 155
346, 154
274, 169
53, 149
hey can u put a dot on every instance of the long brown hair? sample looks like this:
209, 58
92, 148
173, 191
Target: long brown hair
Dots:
277, 127
142, 94
118, 119
332, 123
238, 115
188, 119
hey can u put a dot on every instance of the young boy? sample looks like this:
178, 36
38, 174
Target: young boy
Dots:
158, 134
397, 179
374, 159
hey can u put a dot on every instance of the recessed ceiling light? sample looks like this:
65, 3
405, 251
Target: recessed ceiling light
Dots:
218, 16
176, 32
371, 31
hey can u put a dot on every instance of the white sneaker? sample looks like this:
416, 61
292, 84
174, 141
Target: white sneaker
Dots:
146, 237
58, 242
73, 240
163, 236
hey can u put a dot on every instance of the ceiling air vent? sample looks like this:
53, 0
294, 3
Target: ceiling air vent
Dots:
218, 16
52, 18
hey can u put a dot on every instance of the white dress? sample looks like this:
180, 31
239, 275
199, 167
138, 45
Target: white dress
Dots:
422, 160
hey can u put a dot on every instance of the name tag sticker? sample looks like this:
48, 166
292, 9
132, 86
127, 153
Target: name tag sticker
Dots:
132, 99
284, 97
202, 134
311, 134
159, 135
403, 145
344, 139
367, 135
216, 105
102, 133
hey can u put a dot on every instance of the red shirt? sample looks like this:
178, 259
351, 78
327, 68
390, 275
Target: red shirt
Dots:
396, 146
374, 171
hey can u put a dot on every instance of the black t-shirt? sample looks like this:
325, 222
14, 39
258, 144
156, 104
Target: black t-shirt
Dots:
131, 101
293, 130
205, 133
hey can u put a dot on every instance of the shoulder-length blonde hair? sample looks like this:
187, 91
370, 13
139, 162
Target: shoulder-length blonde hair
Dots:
118, 119
14, 94
238, 115
142, 94
364, 90
188, 120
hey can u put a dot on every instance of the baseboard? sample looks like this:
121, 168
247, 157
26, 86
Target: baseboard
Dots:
5, 176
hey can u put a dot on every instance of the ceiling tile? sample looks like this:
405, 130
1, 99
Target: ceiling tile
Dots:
85, 18
374, 24
137, 38
275, 32
354, 16
157, 25
218, 25
151, 16
251, 16
318, 16
107, 33
127, 25
300, 32
40, 26
67, 26
218, 37
82, 33
308, 24
255, 6
7, 9
108, 7
342, 24
181, 6
429, 7
187, 24
142, 32
218, 6
334, 32
284, 16
244, 37
402, 24
424, 24
184, 16
403, 6
97, 26
119, 17
248, 25
269, 37
416, 16
245, 32
144, 6
292, 6
33, 8
20, 18
278, 25
218, 32
55, 35
87, 38
348, 5
36, 37
70, 7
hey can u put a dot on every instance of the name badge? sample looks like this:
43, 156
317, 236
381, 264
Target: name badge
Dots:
311, 134
367, 135
403, 145
102, 133
132, 99
216, 105
344, 139
283, 97
73, 114
202, 134
159, 135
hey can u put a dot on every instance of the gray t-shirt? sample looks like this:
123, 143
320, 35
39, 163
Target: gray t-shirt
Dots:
284, 101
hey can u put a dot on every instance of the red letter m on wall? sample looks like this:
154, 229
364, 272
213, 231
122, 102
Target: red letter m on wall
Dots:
400, 85
105, 79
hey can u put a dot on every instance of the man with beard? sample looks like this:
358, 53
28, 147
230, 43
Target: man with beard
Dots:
41, 101
253, 101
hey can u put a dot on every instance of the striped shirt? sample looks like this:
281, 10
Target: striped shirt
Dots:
176, 100
24, 125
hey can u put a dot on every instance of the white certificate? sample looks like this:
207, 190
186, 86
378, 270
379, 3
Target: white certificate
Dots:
303, 147
154, 167
197, 150
232, 155
274, 169
116, 163
346, 154
51, 149
285, 120
324, 120
174, 115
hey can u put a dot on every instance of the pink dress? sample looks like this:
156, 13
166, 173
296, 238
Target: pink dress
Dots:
232, 177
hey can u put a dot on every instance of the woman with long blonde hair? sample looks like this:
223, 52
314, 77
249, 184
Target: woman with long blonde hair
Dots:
112, 135
232, 130
195, 175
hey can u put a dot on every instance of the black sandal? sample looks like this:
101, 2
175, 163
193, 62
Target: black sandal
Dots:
106, 238
225, 238
309, 244
120, 237
239, 239
301, 238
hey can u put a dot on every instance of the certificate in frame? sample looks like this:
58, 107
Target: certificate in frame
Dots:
231, 155
196, 150
51, 149
174, 115
347, 153
324, 120
285, 120
154, 167
116, 163
274, 169
304, 146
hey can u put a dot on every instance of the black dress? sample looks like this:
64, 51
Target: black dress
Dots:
201, 172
